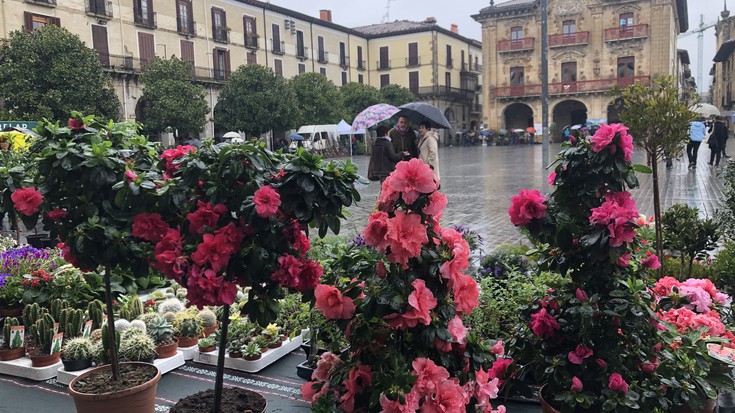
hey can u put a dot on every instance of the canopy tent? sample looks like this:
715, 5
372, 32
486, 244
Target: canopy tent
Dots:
344, 128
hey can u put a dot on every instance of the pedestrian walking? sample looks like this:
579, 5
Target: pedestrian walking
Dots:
717, 141
383, 160
429, 147
697, 130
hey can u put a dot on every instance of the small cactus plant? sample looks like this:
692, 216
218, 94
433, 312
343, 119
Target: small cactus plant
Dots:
137, 347
17, 343
169, 316
160, 329
94, 312
78, 349
57, 306
208, 318
188, 325
43, 332
173, 305
122, 325
251, 349
32, 313
138, 325
105, 354
71, 322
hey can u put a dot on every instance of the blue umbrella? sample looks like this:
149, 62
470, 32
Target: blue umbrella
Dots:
295, 137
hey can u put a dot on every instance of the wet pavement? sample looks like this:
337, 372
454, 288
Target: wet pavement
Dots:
479, 182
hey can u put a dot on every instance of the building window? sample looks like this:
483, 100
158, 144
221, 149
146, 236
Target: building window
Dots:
300, 48
322, 56
413, 55
626, 67
187, 51
252, 58
413, 82
221, 63
219, 25
360, 62
569, 27
302, 68
516, 33
278, 67
323, 71
384, 80
34, 21
569, 72
99, 43
277, 45
517, 76
450, 61
360, 79
143, 13
626, 19
251, 32
384, 62
343, 55
185, 18
461, 60
344, 78
448, 80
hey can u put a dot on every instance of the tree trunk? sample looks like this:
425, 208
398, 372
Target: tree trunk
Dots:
114, 364
657, 212
219, 377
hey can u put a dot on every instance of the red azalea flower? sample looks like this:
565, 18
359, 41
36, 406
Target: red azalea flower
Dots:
75, 124
56, 214
150, 227
205, 215
267, 200
526, 206
332, 304
27, 200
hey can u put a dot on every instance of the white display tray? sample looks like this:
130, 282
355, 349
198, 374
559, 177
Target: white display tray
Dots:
22, 368
268, 358
164, 365
189, 352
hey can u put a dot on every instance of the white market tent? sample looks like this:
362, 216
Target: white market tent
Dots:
344, 128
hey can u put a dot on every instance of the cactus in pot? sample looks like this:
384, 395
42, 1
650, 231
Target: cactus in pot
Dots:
160, 330
11, 344
187, 328
137, 346
105, 355
43, 332
172, 305
251, 351
57, 307
95, 313
32, 313
71, 322
79, 348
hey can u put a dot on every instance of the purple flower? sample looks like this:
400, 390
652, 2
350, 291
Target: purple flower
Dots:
3, 279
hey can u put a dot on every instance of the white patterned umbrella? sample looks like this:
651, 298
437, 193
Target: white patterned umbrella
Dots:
373, 115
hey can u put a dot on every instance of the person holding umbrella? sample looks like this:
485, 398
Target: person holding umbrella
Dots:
429, 147
383, 160
404, 138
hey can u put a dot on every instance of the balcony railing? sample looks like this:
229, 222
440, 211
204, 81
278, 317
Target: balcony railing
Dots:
144, 20
322, 56
49, 3
471, 67
562, 88
569, 39
476, 108
302, 52
516, 45
446, 92
626, 32
344, 62
361, 65
383, 64
413, 61
450, 63
99, 8
220, 34
130, 65
278, 47
251, 41
186, 27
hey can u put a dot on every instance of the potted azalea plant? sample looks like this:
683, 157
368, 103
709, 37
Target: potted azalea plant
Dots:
409, 349
235, 215
85, 174
595, 341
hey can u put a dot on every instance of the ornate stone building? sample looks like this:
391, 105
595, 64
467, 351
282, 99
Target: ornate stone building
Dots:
594, 45
722, 78
438, 64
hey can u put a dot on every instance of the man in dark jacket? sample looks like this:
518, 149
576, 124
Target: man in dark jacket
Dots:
717, 141
404, 138
383, 160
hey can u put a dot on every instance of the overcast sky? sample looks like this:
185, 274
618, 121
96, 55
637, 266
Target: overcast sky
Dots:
354, 13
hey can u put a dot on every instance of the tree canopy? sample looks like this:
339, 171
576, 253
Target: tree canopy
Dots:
49, 73
397, 95
356, 97
319, 100
254, 100
171, 98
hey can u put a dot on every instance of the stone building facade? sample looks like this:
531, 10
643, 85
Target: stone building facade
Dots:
722, 76
217, 36
594, 45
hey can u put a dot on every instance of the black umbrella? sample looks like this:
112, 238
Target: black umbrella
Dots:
417, 112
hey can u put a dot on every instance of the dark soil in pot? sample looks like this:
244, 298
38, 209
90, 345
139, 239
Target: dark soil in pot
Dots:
234, 400
130, 376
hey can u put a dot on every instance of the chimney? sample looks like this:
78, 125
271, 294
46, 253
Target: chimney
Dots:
430, 19
454, 28
325, 15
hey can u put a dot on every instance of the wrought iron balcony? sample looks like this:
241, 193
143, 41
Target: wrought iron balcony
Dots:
302, 53
99, 8
413, 61
564, 88
117, 64
251, 41
144, 19
48, 3
516, 45
445, 92
615, 34
383, 64
186, 27
569, 39
278, 47
220, 34
361, 65
322, 56
344, 62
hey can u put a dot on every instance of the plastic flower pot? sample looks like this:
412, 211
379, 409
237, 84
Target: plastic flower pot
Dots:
76, 365
139, 399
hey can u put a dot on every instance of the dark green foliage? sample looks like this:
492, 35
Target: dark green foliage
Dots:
171, 99
319, 100
726, 213
254, 100
396, 95
356, 97
50, 72
506, 259
688, 236
724, 268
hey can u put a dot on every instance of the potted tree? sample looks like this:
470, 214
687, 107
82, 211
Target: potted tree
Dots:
13, 344
77, 354
88, 173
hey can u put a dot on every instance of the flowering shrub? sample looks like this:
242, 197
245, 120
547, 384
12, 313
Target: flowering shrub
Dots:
409, 348
593, 339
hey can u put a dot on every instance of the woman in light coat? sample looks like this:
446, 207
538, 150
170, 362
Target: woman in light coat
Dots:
429, 147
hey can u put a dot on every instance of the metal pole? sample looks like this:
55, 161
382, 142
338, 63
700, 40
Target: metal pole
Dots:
544, 85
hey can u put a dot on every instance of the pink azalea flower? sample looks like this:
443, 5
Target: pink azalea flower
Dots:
498, 348
460, 253
394, 406
422, 301
543, 324
405, 235
437, 203
579, 354
581, 295
311, 391
412, 179
448, 397
551, 178
466, 293
603, 137
526, 206
576, 385
624, 260
429, 375
332, 304
376, 230
325, 366
266, 200
617, 384
457, 330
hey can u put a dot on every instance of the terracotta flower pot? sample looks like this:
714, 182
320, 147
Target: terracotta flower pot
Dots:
168, 350
12, 354
207, 349
277, 344
188, 341
234, 355
44, 360
210, 330
139, 399
252, 358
